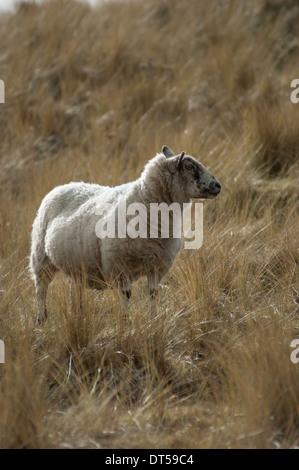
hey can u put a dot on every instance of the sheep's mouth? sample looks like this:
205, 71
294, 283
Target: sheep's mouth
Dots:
213, 194
208, 194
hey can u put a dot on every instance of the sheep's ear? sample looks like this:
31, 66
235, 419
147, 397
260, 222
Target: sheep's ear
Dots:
167, 152
181, 159
175, 163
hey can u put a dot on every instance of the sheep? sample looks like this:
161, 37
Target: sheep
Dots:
64, 234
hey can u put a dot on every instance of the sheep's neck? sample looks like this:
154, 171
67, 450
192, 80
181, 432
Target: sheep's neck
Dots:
159, 191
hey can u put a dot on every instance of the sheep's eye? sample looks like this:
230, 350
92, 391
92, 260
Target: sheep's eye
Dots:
189, 167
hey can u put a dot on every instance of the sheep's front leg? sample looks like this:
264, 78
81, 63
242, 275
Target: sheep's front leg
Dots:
153, 284
126, 294
75, 296
153, 296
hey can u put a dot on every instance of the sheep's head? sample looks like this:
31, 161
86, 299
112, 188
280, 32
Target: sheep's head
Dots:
191, 176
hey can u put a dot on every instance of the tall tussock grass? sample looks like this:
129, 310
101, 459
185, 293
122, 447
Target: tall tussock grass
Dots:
92, 95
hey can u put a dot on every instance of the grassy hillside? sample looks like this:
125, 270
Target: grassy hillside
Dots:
92, 95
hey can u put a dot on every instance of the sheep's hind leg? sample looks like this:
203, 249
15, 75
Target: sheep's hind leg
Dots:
154, 278
76, 296
42, 282
153, 284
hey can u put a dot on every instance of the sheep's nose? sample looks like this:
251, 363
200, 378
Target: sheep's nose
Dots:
215, 186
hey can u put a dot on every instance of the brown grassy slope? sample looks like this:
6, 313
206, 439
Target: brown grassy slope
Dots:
92, 95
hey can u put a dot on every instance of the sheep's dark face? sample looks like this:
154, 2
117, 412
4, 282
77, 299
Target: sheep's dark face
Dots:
195, 180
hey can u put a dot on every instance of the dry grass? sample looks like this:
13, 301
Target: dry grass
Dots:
92, 95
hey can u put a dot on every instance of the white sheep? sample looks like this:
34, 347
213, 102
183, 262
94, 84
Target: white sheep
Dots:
64, 234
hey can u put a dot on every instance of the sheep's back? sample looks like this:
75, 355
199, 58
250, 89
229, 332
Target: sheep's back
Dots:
69, 213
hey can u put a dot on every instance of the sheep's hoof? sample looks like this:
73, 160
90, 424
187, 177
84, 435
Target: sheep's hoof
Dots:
41, 318
125, 318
